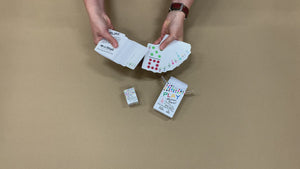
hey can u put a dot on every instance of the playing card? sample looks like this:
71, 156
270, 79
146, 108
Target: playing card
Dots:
184, 50
178, 52
136, 54
168, 62
129, 53
106, 49
116, 33
169, 58
152, 59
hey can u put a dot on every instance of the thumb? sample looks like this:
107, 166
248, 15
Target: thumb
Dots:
166, 42
157, 41
111, 39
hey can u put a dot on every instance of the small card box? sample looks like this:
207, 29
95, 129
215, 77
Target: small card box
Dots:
131, 96
170, 97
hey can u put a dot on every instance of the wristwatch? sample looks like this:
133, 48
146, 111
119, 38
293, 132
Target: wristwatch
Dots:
179, 7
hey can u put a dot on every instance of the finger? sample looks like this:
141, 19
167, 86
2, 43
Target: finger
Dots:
165, 28
163, 32
111, 27
97, 39
180, 37
109, 24
111, 39
158, 40
166, 42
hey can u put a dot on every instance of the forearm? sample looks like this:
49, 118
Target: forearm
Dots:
187, 3
94, 7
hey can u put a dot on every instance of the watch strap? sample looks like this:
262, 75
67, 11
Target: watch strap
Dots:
179, 7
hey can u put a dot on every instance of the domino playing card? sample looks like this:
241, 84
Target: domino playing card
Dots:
152, 59
170, 58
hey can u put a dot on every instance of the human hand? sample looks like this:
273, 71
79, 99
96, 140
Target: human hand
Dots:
100, 24
173, 25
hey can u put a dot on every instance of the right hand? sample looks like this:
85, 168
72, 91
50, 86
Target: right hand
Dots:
100, 25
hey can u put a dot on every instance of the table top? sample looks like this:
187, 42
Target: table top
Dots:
62, 104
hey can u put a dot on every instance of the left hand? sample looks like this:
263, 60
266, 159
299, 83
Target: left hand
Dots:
173, 25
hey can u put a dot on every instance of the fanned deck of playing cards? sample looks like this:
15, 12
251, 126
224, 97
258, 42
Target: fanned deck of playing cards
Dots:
159, 61
170, 97
129, 53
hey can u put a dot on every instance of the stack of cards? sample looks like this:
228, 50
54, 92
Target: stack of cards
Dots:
129, 53
168, 59
170, 97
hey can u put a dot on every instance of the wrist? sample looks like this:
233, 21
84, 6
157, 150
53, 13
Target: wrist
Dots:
96, 15
177, 14
94, 10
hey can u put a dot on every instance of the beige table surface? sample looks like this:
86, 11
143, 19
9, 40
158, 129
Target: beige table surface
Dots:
61, 104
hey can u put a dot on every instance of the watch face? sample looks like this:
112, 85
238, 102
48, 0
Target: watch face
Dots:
176, 6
